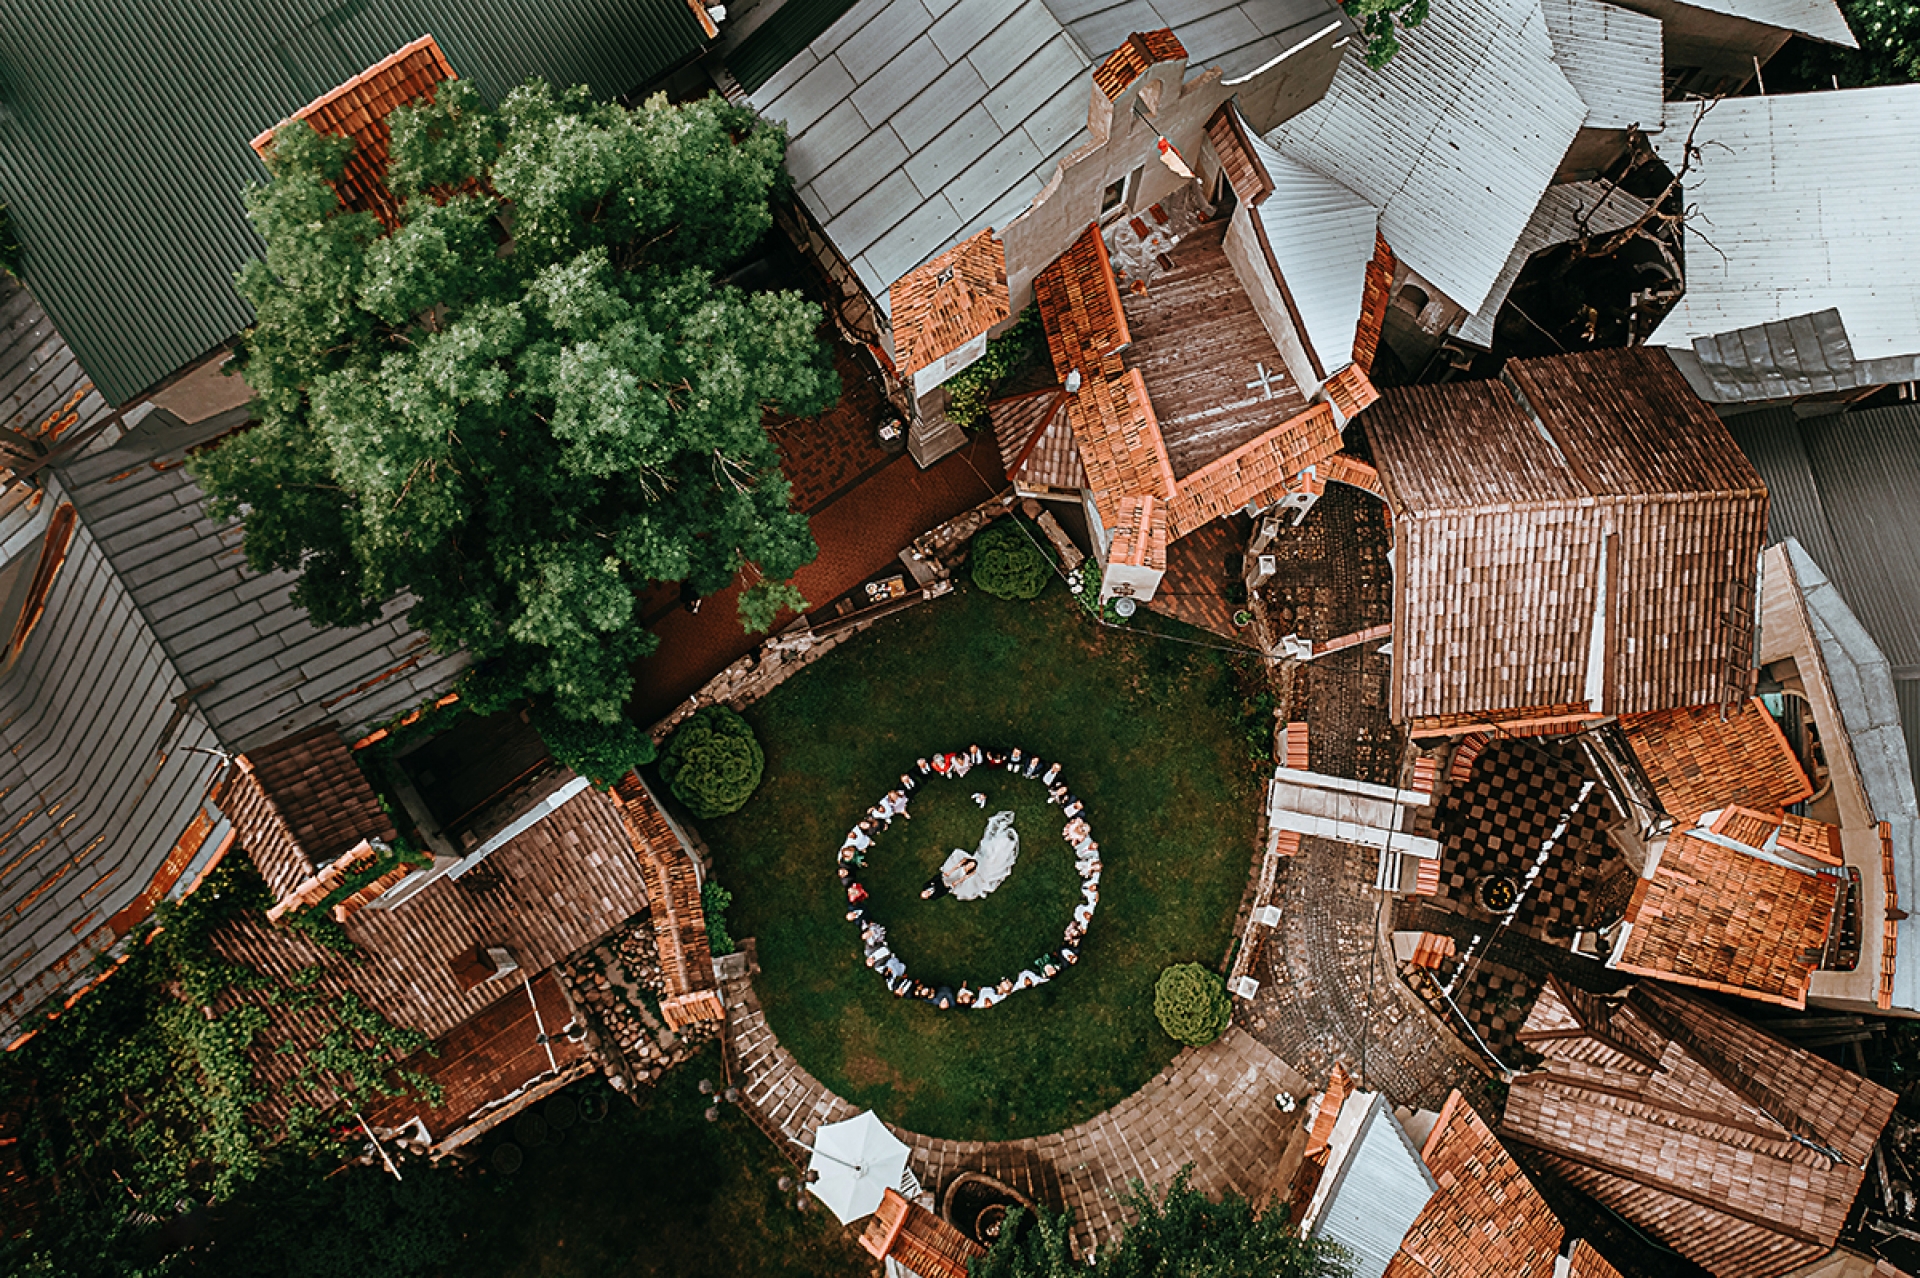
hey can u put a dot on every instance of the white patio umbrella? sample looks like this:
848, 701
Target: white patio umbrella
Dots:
857, 1161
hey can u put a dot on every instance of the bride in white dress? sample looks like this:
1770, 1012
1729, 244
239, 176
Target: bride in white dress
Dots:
999, 849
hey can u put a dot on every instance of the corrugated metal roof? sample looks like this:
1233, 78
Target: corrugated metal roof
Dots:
1771, 440
1777, 236
1863, 688
1820, 19
1555, 221
1454, 140
1613, 59
917, 124
1322, 236
98, 777
1238, 38
125, 127
1373, 1188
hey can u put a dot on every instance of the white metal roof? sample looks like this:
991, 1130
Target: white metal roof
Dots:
1322, 236
1454, 139
917, 122
1236, 37
1820, 19
1373, 1187
1613, 59
1782, 230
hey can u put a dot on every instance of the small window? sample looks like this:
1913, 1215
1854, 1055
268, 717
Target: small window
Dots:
1114, 198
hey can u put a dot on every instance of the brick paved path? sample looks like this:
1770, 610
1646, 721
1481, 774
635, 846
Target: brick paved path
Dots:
1213, 1107
1329, 991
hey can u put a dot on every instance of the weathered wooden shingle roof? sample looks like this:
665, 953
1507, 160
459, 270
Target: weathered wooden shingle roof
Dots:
1584, 531
124, 147
1737, 1150
941, 306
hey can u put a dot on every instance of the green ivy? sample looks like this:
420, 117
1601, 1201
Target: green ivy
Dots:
714, 901
969, 390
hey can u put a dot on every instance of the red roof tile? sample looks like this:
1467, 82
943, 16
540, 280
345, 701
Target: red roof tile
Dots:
940, 307
1373, 303
1130, 61
1737, 1150
1249, 178
917, 1239
1258, 472
1350, 390
1140, 537
1036, 439
1697, 760
359, 108
300, 804
673, 894
1717, 918
1487, 1218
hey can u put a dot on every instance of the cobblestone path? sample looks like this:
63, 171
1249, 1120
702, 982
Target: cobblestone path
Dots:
1212, 1107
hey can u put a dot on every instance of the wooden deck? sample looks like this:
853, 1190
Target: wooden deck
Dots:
1214, 375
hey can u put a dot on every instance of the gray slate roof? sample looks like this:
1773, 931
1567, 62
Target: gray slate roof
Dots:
264, 669
1781, 234
98, 776
125, 128
1454, 140
1870, 710
1820, 19
1238, 37
916, 123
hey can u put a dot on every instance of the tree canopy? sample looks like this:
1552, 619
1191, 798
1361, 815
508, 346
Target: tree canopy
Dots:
529, 398
1183, 1235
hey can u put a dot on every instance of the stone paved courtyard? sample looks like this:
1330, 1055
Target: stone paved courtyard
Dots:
1213, 1107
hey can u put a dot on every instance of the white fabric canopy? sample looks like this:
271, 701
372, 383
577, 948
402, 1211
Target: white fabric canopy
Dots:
857, 1161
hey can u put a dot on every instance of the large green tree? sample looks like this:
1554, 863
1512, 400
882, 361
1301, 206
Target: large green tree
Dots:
529, 398
1183, 1235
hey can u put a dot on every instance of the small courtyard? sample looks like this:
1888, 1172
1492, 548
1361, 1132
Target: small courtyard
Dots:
1149, 734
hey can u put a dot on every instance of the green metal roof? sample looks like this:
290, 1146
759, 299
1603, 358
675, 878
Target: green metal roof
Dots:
779, 39
125, 124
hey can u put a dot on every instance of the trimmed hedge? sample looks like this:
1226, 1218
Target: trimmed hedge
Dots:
1006, 562
713, 762
1191, 1004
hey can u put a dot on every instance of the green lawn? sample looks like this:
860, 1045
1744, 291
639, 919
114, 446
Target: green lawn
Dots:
1150, 734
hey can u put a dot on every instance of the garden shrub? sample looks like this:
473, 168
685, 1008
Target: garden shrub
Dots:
713, 762
714, 901
1007, 563
601, 752
1191, 1004
969, 390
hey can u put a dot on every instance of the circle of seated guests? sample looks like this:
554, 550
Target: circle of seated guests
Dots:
955, 766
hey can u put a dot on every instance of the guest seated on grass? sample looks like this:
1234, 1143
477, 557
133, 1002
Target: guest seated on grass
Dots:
1057, 795
1073, 806
996, 759
925, 767
855, 893
965, 997
943, 998
975, 754
1015, 759
1051, 775
1033, 767
907, 784
861, 836
1069, 955
1028, 979
1047, 967
987, 997
1005, 987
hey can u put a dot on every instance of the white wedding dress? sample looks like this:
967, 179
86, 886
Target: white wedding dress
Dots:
999, 849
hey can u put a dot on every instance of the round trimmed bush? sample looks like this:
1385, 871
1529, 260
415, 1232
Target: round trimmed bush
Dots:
1192, 1004
713, 762
1007, 563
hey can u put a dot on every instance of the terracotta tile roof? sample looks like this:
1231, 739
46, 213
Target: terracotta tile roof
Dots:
673, 893
1351, 471
1140, 538
1720, 919
300, 804
1080, 309
1036, 439
1697, 760
1130, 61
1525, 721
1119, 440
917, 1239
1350, 390
941, 306
1779, 832
1737, 1150
1589, 492
1373, 303
359, 108
1258, 471
1487, 1218
1250, 180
